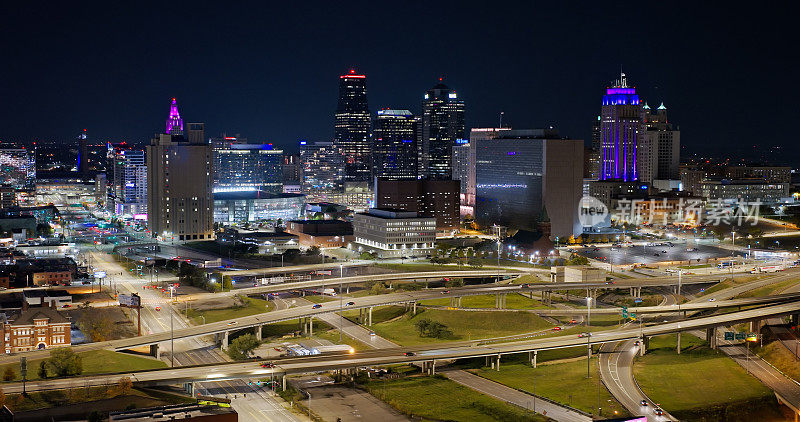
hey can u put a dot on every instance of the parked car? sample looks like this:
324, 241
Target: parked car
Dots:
317, 306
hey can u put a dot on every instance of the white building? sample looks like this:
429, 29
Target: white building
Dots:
393, 233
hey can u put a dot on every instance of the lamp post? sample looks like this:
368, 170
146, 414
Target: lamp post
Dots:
588, 334
341, 317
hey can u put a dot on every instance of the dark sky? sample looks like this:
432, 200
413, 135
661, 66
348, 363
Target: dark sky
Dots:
269, 70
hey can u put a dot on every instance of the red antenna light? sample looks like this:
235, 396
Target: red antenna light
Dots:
440, 79
352, 71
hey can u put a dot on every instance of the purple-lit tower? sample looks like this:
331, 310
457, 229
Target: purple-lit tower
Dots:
621, 126
174, 122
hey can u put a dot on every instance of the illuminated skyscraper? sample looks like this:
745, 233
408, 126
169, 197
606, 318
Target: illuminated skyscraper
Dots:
83, 153
621, 127
18, 168
351, 132
394, 150
174, 121
242, 166
323, 172
442, 126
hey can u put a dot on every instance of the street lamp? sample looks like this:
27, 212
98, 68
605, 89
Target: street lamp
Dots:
588, 334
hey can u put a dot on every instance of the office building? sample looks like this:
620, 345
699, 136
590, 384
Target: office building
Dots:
352, 127
621, 127
250, 206
442, 127
439, 199
240, 166
394, 145
18, 168
393, 233
179, 182
292, 169
323, 168
525, 178
769, 184
659, 147
127, 193
8, 197
83, 153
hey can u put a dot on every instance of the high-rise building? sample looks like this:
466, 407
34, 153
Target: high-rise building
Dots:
442, 126
528, 177
592, 167
83, 153
394, 145
240, 166
179, 183
127, 180
18, 168
391, 233
323, 171
292, 169
174, 121
463, 169
352, 125
428, 198
621, 127
660, 148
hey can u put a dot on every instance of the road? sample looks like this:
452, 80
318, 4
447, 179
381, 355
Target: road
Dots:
642, 254
430, 352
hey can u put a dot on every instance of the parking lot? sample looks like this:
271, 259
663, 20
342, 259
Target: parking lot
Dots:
641, 254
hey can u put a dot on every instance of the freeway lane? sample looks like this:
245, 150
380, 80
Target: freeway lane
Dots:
222, 372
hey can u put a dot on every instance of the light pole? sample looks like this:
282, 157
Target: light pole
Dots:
341, 317
171, 337
588, 334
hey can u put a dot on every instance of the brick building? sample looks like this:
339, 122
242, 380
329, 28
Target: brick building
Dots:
321, 233
34, 328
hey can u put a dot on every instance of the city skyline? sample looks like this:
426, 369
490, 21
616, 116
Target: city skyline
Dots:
121, 96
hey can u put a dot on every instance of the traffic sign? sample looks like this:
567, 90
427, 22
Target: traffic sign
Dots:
752, 337
741, 336
99, 274
729, 335
624, 312
637, 300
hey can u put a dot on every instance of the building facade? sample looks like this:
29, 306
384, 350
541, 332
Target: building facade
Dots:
180, 202
35, 329
127, 193
243, 166
323, 168
621, 127
442, 126
393, 233
439, 199
254, 206
394, 145
321, 233
18, 168
659, 148
352, 127
524, 176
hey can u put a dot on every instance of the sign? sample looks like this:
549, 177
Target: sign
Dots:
624, 312
741, 336
729, 335
323, 272
130, 301
637, 300
752, 337
99, 274
23, 366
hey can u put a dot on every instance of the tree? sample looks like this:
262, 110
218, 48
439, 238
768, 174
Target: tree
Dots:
124, 385
64, 362
96, 324
475, 263
576, 259
9, 374
227, 283
313, 251
42, 372
434, 329
242, 346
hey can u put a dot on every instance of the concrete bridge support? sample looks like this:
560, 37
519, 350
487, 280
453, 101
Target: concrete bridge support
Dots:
500, 301
414, 308
258, 333
711, 337
678, 348
189, 388
532, 357
370, 316
225, 340
155, 351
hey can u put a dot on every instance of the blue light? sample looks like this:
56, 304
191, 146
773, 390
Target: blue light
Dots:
512, 152
462, 141
303, 142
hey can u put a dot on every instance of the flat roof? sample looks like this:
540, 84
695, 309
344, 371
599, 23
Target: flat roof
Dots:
254, 194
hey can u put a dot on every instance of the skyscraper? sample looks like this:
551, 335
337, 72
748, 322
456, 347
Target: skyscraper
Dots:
621, 127
664, 143
442, 125
351, 132
179, 182
127, 177
83, 153
323, 170
18, 168
394, 145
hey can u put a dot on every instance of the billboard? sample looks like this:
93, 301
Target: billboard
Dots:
99, 274
130, 301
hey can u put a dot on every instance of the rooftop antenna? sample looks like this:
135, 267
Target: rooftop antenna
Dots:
501, 119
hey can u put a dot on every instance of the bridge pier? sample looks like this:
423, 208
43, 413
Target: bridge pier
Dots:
414, 309
283, 382
679, 342
310, 326
189, 388
711, 337
370, 316
459, 302
532, 357
155, 351
225, 338
258, 332
644, 344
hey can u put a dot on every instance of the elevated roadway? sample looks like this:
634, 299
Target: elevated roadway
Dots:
426, 354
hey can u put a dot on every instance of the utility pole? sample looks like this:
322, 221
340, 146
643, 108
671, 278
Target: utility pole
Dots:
588, 335
171, 337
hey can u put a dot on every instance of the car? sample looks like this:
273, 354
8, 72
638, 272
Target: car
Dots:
582, 335
712, 299
372, 334
231, 323
658, 411
444, 292
636, 343
317, 306
656, 254
350, 303
267, 365
408, 354
556, 328
66, 305
525, 286
572, 321
643, 403
86, 282
158, 308
663, 251
596, 249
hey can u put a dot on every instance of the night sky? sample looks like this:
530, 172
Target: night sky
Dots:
269, 70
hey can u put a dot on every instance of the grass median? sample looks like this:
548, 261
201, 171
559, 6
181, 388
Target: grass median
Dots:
700, 383
95, 362
437, 398
513, 301
252, 306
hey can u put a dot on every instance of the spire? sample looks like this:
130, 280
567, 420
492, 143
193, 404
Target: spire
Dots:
174, 122
662, 106
646, 107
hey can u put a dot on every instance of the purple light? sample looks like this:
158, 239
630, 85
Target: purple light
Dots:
174, 122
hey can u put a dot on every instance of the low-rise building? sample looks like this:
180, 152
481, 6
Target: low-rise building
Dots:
205, 412
576, 274
34, 328
251, 206
321, 233
47, 298
268, 243
392, 233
